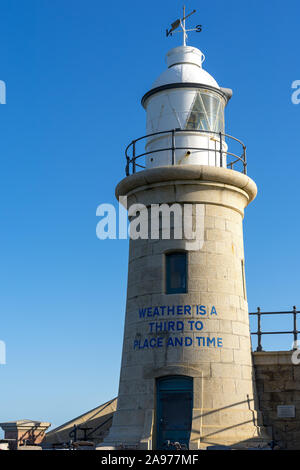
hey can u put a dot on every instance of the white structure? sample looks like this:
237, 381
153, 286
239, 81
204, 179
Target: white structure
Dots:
186, 373
185, 97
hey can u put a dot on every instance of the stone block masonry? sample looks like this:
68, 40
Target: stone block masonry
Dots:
278, 385
203, 333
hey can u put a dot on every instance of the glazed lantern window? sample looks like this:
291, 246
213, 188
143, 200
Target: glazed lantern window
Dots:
206, 112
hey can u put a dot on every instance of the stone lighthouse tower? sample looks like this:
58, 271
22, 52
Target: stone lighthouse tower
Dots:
186, 373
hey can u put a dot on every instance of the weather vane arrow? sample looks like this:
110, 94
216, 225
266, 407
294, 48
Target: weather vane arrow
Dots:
180, 23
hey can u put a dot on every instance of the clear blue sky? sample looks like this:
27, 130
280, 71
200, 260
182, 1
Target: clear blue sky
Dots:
75, 73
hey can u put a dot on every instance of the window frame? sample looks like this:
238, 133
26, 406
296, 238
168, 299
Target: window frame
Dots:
168, 289
212, 120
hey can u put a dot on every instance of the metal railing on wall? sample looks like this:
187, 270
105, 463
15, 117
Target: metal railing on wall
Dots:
133, 162
259, 331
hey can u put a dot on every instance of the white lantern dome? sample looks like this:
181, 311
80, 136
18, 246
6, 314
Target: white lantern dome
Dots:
185, 66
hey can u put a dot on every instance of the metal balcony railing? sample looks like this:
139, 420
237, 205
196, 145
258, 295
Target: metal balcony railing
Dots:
259, 331
133, 161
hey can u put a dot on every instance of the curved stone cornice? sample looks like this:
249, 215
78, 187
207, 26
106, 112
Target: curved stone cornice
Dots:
192, 173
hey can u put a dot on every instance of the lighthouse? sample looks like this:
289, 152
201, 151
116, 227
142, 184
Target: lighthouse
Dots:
186, 373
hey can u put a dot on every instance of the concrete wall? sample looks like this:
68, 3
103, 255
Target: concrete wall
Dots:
278, 383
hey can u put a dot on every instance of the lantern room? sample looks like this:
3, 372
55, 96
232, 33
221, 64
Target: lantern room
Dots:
185, 113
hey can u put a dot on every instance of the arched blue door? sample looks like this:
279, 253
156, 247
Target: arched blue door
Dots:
174, 410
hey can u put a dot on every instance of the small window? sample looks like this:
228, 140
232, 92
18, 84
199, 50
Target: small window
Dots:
176, 273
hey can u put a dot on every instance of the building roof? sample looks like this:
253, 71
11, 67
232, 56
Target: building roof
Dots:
98, 419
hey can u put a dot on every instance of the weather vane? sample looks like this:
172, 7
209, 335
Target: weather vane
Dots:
181, 23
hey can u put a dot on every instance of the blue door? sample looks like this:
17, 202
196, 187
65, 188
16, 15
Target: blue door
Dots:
174, 410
